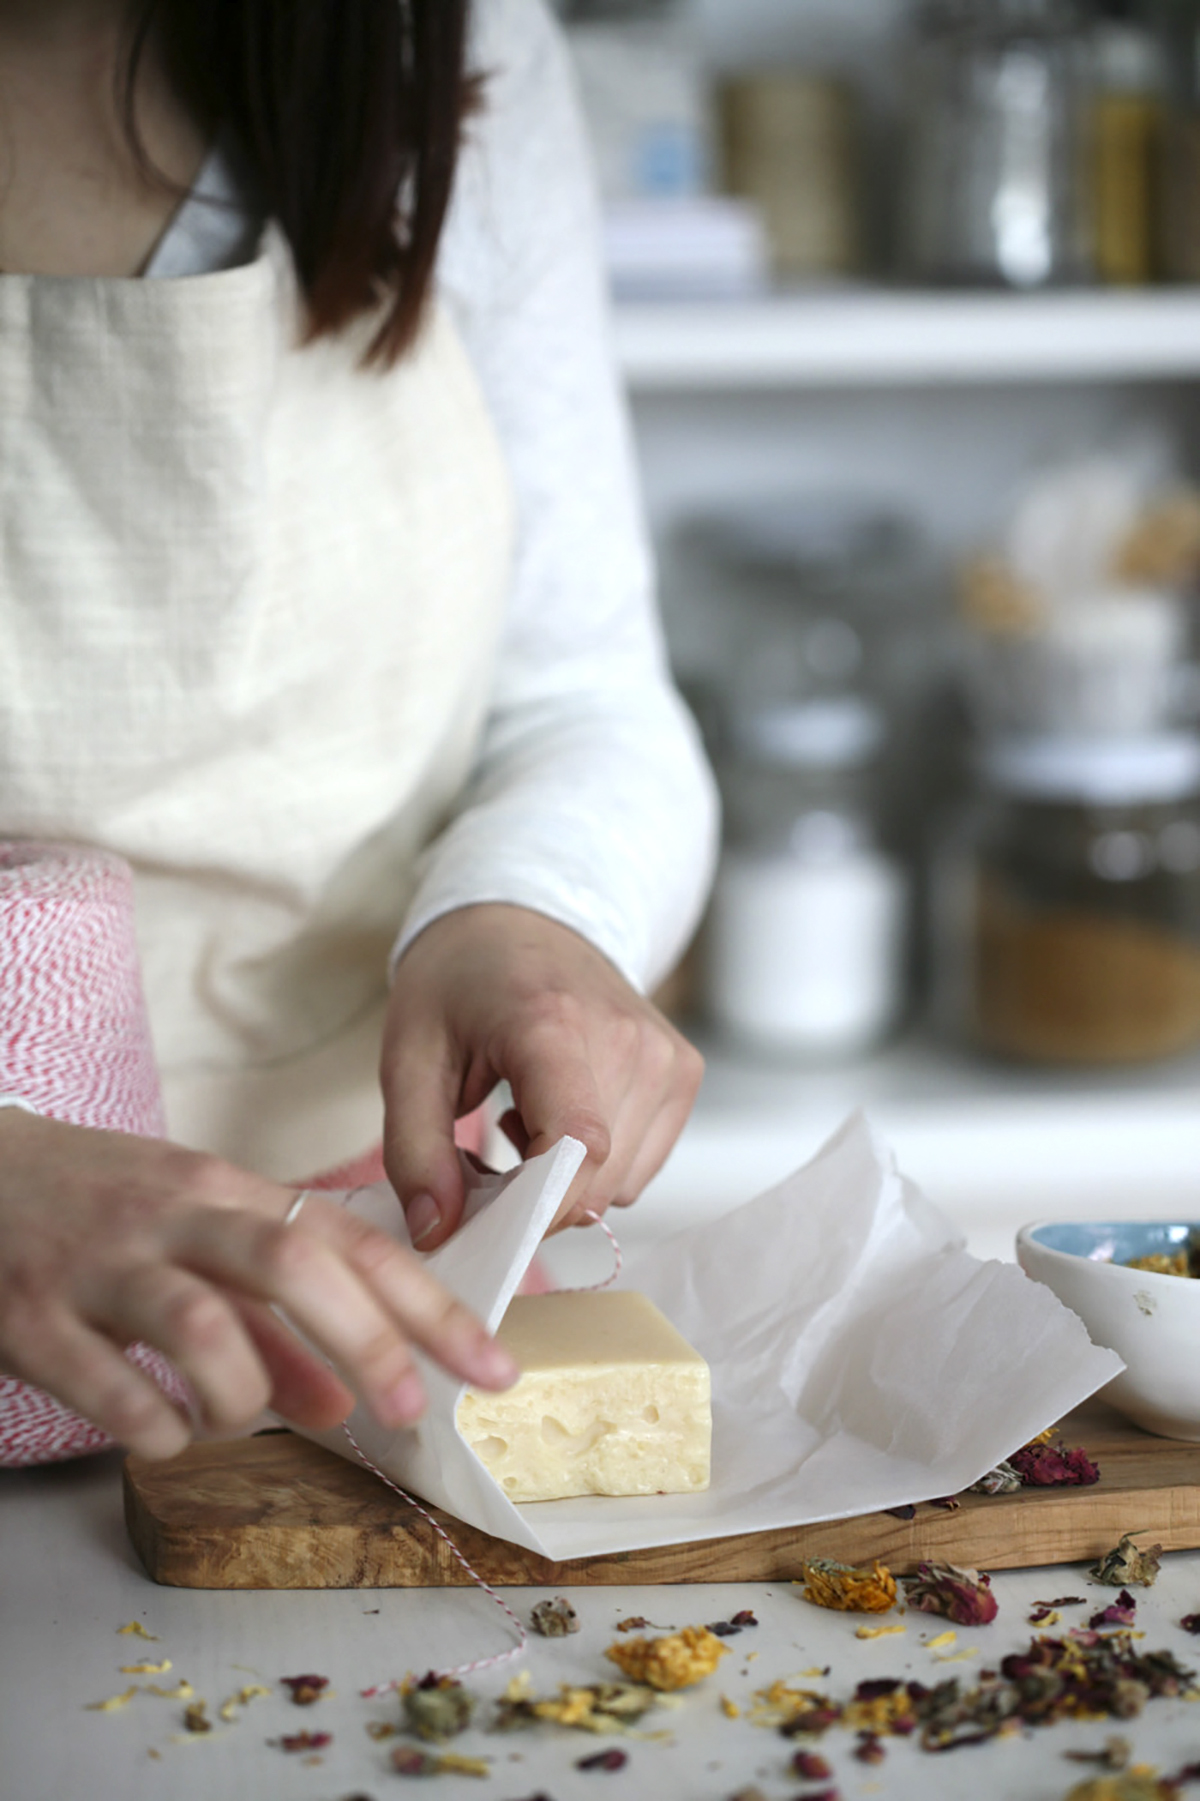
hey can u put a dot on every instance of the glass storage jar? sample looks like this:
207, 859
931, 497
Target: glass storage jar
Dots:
994, 185
1067, 902
806, 937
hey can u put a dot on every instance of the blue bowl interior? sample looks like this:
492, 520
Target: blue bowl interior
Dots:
1116, 1241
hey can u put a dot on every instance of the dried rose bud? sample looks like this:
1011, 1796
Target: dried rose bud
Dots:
869, 1749
554, 1619
809, 1767
744, 1618
963, 1596
604, 1760
305, 1689
439, 1712
1191, 1622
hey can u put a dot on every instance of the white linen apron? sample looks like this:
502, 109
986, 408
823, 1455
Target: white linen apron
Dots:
249, 601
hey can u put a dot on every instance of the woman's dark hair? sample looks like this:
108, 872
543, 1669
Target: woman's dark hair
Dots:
350, 112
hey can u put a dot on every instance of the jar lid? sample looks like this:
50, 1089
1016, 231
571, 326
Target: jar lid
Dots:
1164, 766
840, 733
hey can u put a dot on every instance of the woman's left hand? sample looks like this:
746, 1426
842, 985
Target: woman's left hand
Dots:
498, 993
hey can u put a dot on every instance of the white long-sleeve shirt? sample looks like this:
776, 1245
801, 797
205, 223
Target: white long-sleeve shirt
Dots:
589, 800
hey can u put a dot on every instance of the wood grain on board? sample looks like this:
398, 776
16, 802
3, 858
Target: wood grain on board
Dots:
278, 1512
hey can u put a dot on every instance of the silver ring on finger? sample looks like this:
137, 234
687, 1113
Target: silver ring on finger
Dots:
293, 1212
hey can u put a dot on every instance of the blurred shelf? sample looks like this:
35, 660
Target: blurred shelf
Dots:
858, 337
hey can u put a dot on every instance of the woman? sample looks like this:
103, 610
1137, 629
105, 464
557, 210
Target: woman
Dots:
325, 606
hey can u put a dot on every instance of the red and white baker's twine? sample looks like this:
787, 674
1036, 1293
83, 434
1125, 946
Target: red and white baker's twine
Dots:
480, 1663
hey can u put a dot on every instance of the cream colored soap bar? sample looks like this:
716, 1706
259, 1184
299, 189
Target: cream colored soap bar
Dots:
612, 1400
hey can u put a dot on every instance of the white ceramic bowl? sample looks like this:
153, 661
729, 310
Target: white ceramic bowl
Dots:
1151, 1321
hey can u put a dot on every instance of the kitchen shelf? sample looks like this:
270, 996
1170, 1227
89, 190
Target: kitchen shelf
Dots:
858, 337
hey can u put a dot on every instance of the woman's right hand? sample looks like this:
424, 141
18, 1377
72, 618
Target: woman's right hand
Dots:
106, 1239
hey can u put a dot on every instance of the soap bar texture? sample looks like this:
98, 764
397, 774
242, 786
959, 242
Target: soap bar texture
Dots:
612, 1400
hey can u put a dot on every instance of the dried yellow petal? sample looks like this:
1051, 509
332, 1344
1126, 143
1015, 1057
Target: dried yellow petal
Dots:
941, 1641
114, 1702
876, 1632
135, 1629
183, 1691
675, 1661
228, 1710
730, 1709
146, 1669
846, 1589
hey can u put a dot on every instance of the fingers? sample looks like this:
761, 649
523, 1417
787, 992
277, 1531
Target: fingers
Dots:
88, 1373
355, 1293
304, 1390
421, 1097
199, 1331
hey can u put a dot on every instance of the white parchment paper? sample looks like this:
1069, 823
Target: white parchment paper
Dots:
860, 1357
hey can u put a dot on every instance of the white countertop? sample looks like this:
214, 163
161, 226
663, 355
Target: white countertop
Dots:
70, 1580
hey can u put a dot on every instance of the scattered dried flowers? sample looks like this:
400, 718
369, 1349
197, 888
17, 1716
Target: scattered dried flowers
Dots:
1054, 1465
437, 1707
847, 1589
963, 1596
228, 1710
604, 1760
1046, 1612
1120, 1613
600, 1707
554, 1619
1083, 1676
1126, 1563
673, 1662
408, 1761
305, 1689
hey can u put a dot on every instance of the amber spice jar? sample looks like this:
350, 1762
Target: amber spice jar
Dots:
1067, 902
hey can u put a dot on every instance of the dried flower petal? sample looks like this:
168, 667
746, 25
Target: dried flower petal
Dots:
1003, 1480
114, 1703
1121, 1612
437, 1709
1134, 1786
303, 1741
145, 1669
1126, 1563
1191, 1622
809, 1767
878, 1631
869, 1749
744, 1618
1054, 1466
672, 1662
846, 1589
554, 1619
196, 1718
135, 1629
305, 1689
604, 1760
408, 1761
1114, 1756
963, 1596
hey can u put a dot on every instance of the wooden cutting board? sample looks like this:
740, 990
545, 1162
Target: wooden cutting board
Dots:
278, 1512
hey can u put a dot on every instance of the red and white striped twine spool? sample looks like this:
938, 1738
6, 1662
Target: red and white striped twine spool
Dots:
74, 1043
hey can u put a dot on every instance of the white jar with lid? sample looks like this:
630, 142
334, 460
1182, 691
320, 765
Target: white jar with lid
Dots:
806, 938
